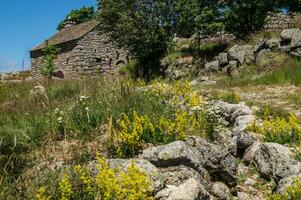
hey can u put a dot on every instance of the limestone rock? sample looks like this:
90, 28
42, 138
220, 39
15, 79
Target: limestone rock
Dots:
221, 191
243, 54
276, 160
189, 190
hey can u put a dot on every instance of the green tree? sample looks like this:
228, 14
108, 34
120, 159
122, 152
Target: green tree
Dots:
144, 27
78, 16
242, 17
202, 15
50, 53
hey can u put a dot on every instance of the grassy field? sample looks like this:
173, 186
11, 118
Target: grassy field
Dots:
72, 121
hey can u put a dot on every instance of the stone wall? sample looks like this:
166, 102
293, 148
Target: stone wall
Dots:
93, 54
280, 21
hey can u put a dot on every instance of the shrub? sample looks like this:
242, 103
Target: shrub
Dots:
108, 184
231, 97
293, 193
127, 140
279, 130
133, 132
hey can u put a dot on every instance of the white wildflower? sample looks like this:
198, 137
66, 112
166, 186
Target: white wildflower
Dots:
82, 98
56, 111
60, 120
87, 109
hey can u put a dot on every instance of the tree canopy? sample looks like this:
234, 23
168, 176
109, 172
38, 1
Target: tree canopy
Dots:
146, 27
78, 16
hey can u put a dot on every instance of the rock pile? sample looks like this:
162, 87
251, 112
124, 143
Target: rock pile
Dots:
198, 169
238, 55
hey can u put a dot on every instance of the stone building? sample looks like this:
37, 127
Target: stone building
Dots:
281, 20
85, 50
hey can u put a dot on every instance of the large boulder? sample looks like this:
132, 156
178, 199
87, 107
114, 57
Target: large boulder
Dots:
277, 161
189, 190
177, 175
243, 54
215, 159
173, 154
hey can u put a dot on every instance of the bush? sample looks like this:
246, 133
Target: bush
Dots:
231, 97
279, 130
108, 184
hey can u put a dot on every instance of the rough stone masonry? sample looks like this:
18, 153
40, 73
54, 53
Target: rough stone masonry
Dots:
85, 50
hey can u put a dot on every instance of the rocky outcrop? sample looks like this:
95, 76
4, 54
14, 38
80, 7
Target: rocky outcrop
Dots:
230, 62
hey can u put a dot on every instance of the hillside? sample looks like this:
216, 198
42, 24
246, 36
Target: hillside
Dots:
158, 100
210, 134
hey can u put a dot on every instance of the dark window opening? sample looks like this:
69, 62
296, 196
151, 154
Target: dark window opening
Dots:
59, 74
98, 60
67, 61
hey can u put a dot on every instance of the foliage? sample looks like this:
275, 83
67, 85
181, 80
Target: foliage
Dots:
78, 16
242, 17
279, 130
107, 184
231, 97
198, 15
144, 27
292, 193
50, 53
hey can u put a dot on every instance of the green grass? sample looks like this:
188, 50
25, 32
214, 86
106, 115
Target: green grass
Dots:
286, 72
27, 124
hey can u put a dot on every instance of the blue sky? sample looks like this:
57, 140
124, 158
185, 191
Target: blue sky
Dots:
26, 23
